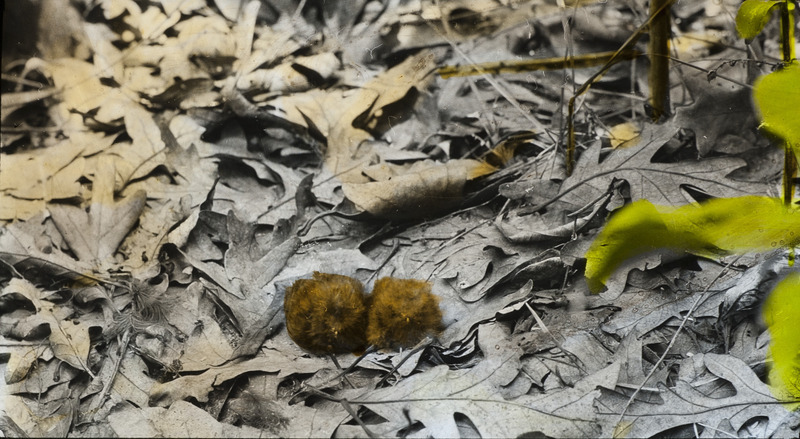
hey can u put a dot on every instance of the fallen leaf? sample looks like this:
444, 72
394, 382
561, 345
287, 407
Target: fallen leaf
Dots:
624, 135
715, 227
95, 236
715, 100
344, 117
28, 180
202, 343
199, 386
684, 405
660, 183
68, 339
433, 397
293, 76
423, 191
181, 419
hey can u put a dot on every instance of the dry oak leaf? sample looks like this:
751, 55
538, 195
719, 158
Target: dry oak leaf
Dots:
199, 386
660, 183
434, 396
182, 419
684, 404
719, 108
425, 189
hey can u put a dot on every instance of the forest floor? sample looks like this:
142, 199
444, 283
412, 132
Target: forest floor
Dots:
169, 167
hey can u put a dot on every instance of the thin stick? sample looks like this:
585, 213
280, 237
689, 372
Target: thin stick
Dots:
354, 415
342, 374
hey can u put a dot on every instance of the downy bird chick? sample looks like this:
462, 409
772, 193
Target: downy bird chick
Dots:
327, 314
401, 313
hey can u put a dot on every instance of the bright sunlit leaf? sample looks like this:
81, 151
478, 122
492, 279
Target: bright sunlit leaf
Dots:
777, 95
753, 15
781, 313
715, 227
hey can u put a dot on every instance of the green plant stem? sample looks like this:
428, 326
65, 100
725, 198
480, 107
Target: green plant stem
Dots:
789, 173
787, 31
787, 46
626, 46
658, 52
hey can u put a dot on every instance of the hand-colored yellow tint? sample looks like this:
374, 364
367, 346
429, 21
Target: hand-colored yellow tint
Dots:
776, 96
753, 15
718, 226
781, 313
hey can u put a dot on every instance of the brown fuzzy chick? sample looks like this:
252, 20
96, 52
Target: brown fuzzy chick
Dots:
327, 314
402, 312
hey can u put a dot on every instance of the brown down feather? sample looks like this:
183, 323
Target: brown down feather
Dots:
327, 314
401, 313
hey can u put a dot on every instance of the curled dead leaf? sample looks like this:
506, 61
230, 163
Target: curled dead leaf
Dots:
427, 188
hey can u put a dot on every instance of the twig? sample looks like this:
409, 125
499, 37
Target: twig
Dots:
123, 347
578, 363
342, 374
503, 92
354, 415
401, 362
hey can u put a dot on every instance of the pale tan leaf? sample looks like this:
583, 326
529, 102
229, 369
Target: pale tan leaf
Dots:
69, 340
344, 116
199, 386
31, 175
205, 345
244, 31
21, 360
182, 419
115, 8
272, 44
206, 36
624, 135
106, 56
184, 6
421, 192
79, 83
152, 23
147, 148
30, 179
229, 8
286, 78
24, 413
95, 236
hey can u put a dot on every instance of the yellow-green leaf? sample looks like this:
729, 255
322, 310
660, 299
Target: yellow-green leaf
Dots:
777, 95
753, 15
715, 227
781, 313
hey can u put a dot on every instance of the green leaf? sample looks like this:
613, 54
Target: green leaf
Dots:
781, 313
715, 227
777, 95
753, 15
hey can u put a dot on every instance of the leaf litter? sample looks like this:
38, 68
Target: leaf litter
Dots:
196, 157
